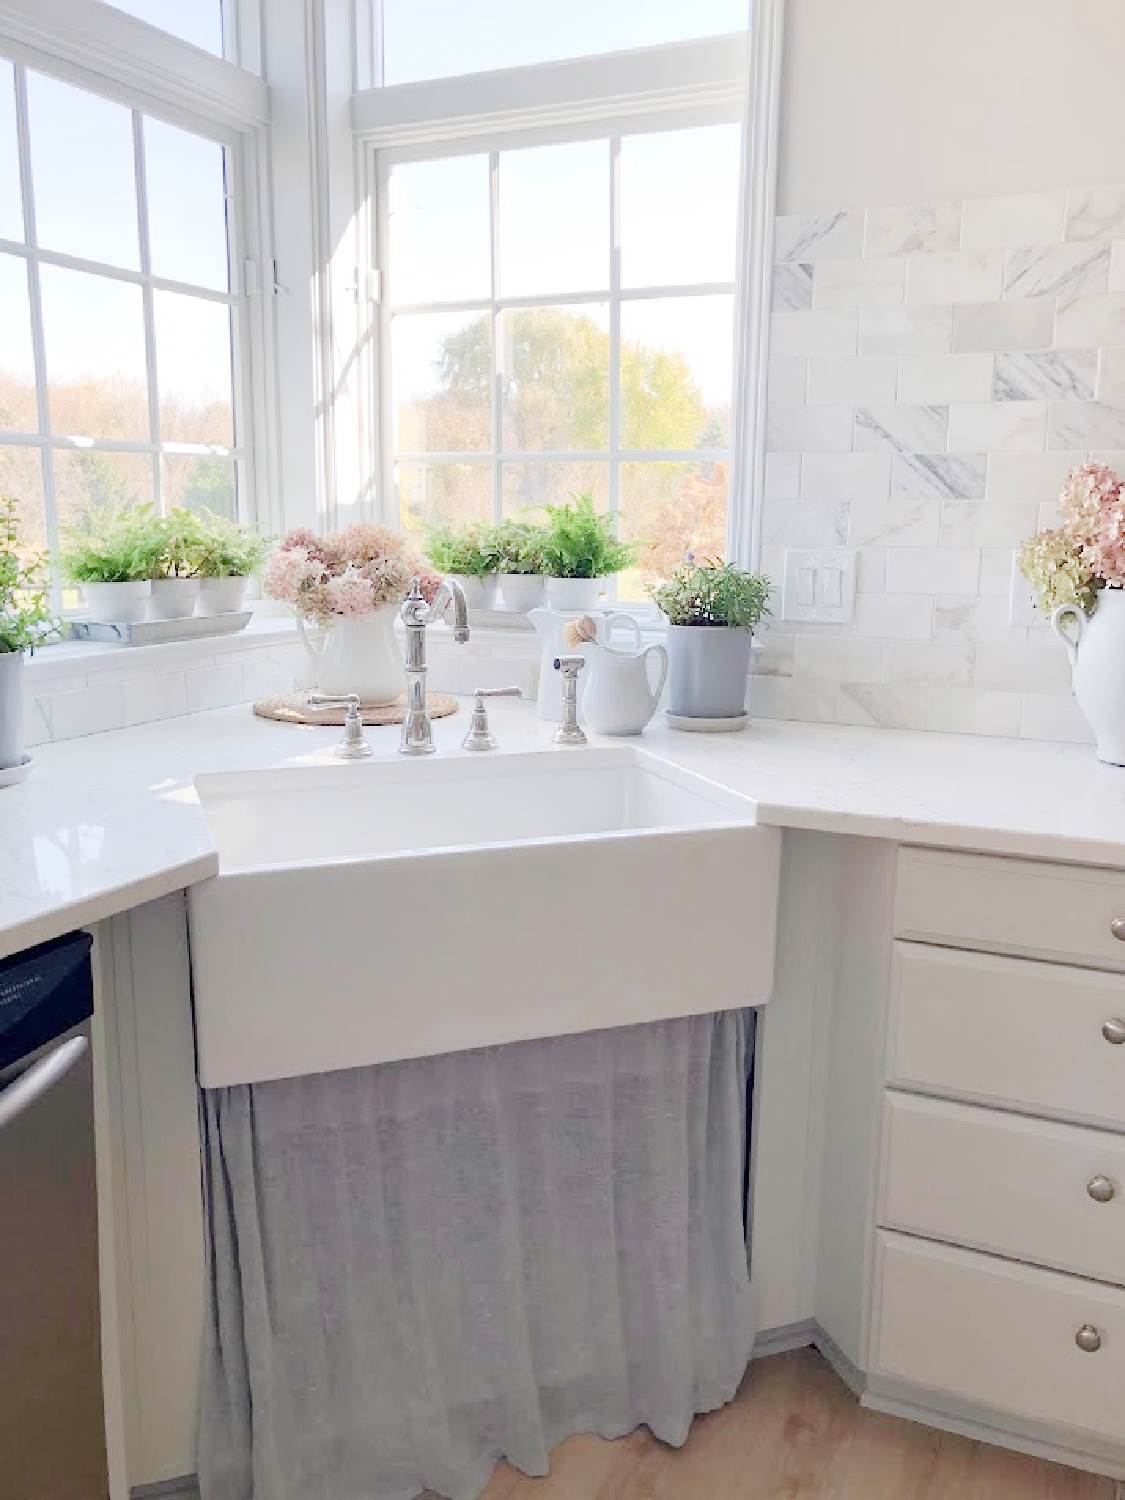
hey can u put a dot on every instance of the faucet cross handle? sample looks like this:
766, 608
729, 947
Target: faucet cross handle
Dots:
353, 746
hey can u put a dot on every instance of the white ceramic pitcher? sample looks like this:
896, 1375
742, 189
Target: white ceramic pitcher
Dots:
359, 656
620, 697
549, 623
1097, 658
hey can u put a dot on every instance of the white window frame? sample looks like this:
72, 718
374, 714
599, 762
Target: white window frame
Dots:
98, 48
662, 88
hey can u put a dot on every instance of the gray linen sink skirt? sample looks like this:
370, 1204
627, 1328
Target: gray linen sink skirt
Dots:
420, 1268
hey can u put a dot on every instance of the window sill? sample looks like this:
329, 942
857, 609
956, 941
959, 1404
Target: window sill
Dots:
92, 658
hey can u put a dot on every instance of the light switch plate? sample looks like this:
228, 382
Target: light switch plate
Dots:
819, 585
1022, 609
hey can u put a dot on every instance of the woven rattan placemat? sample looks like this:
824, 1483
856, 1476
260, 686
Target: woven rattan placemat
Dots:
295, 708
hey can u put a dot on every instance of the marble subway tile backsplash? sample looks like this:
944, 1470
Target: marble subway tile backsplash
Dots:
943, 366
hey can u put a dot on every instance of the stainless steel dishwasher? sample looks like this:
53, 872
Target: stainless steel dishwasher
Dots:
52, 1426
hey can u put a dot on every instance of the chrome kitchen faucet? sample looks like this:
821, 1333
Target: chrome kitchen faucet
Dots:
417, 731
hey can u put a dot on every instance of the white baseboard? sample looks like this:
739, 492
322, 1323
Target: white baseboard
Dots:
186, 1487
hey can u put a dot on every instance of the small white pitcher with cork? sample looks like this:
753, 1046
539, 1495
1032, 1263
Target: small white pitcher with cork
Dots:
620, 696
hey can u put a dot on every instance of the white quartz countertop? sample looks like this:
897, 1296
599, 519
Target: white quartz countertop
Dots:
109, 821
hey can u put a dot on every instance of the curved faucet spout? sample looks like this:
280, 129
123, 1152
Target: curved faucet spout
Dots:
417, 614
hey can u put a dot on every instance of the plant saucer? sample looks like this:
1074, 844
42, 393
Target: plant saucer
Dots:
730, 725
9, 775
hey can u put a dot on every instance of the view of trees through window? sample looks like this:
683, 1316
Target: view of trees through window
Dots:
116, 313
562, 321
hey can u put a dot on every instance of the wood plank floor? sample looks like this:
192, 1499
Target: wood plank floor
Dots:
795, 1432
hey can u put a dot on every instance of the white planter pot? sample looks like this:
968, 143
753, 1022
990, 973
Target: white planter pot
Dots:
521, 592
480, 593
221, 596
574, 593
11, 708
118, 603
1096, 646
173, 598
359, 656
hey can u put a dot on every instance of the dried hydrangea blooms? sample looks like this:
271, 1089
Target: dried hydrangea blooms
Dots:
1093, 511
1054, 566
344, 574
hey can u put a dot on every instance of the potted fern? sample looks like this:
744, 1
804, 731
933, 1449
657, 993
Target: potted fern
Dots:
175, 586
229, 556
25, 620
468, 554
519, 559
712, 610
580, 550
114, 555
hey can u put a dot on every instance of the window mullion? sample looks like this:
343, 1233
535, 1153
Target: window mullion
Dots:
614, 434
149, 312
497, 350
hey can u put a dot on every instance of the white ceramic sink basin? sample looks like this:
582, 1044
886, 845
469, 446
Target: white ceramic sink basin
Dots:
368, 912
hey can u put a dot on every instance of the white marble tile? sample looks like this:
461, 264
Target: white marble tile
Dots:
1086, 424
1111, 376
1031, 477
1048, 717
804, 523
818, 334
774, 658
792, 287
783, 476
1113, 458
786, 382
929, 663
1021, 219
1008, 426
851, 381
906, 428
938, 476
1117, 266
933, 570
36, 720
159, 697
965, 276
894, 523
932, 379
1026, 324
266, 677
870, 570
789, 698
969, 524
89, 710
1090, 321
877, 705
845, 476
930, 227
1046, 375
969, 617
805, 238
1095, 213
1021, 669
995, 580
1078, 270
894, 617
973, 711
216, 686
859, 283
809, 429
838, 659
905, 330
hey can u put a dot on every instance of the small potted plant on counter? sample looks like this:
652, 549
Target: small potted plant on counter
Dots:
712, 610
25, 620
114, 555
230, 555
519, 557
580, 551
175, 585
467, 553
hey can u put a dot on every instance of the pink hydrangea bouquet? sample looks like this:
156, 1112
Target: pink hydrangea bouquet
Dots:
1069, 564
346, 574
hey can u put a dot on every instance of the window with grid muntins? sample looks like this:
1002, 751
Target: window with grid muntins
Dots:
558, 318
120, 349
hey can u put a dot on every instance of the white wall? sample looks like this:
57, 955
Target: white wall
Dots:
907, 101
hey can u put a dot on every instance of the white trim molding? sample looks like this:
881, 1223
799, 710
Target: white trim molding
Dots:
682, 79
755, 274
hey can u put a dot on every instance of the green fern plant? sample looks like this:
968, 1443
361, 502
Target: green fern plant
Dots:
468, 551
579, 543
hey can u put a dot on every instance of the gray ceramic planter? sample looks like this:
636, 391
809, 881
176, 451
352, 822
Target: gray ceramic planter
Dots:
707, 671
11, 708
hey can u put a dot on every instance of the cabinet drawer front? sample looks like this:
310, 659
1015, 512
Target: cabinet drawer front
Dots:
1000, 1334
1005, 1183
1010, 906
1008, 1031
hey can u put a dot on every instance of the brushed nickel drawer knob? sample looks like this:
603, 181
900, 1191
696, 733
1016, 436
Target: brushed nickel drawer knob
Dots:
1100, 1189
1114, 1031
1088, 1339
1117, 927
